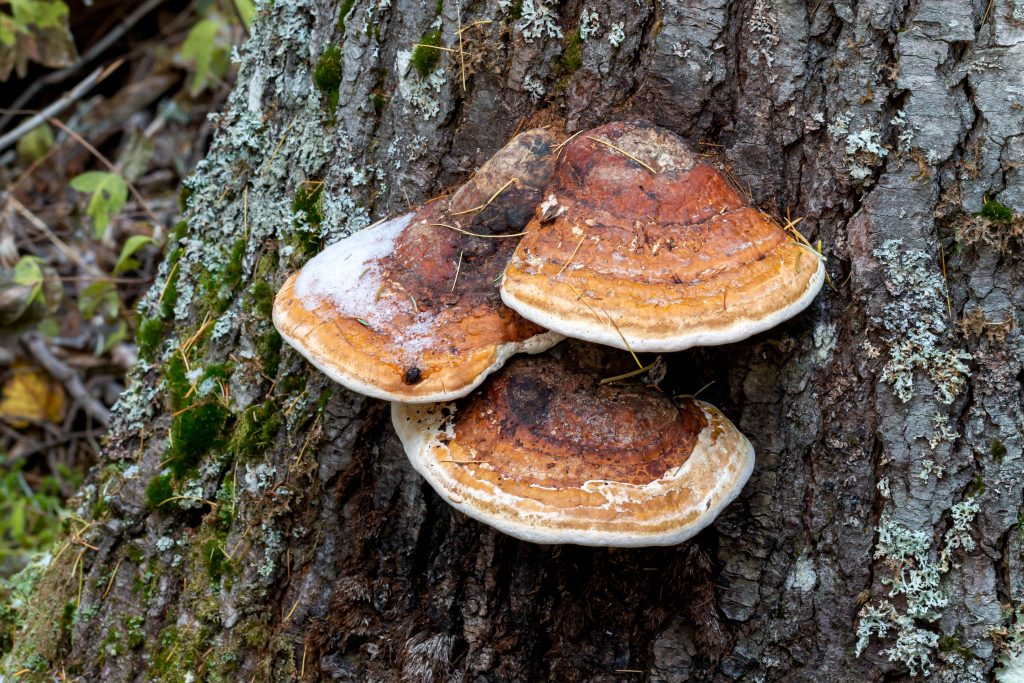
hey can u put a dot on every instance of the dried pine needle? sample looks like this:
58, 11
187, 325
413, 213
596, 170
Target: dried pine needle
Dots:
558, 148
631, 373
624, 153
625, 341
574, 252
458, 268
488, 202
476, 234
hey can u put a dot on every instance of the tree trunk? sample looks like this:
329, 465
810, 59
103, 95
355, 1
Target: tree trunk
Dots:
878, 538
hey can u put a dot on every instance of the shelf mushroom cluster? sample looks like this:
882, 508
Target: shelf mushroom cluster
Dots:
628, 240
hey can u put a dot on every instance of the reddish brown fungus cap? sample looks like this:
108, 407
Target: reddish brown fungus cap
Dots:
545, 452
409, 310
639, 244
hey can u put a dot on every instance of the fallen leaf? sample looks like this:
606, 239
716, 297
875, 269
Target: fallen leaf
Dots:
31, 395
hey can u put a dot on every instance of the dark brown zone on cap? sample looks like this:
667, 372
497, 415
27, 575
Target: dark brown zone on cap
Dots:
537, 422
427, 255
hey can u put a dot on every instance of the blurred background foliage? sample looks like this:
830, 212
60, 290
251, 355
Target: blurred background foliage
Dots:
103, 112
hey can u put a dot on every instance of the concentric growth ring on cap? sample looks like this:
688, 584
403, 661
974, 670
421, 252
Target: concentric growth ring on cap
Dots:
408, 310
545, 453
640, 245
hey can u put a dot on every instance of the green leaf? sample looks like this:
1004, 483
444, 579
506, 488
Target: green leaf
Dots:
28, 272
132, 244
34, 30
108, 341
41, 13
210, 57
99, 298
246, 10
7, 31
16, 521
34, 144
109, 193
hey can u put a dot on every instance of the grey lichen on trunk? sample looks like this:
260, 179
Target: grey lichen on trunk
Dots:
252, 521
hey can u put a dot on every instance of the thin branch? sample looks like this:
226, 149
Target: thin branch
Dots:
62, 103
109, 38
36, 345
42, 227
113, 169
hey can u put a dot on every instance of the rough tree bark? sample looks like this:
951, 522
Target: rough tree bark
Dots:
887, 418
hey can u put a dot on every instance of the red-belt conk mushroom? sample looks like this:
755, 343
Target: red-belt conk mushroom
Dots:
546, 453
638, 244
409, 310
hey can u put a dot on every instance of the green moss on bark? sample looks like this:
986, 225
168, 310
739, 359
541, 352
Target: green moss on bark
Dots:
424, 59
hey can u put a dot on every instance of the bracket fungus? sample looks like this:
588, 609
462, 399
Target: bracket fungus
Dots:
547, 453
408, 310
638, 244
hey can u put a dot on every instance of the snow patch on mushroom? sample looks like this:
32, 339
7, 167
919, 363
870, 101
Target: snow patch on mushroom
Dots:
347, 274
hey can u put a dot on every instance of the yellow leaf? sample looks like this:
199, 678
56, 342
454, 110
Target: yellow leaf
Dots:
31, 395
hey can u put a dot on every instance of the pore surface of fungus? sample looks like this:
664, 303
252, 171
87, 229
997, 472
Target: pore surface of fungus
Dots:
546, 453
639, 244
409, 310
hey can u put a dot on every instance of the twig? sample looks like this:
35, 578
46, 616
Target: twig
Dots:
113, 575
284, 136
579, 295
557, 149
196, 335
113, 169
462, 54
475, 23
574, 251
945, 281
435, 47
201, 500
62, 103
36, 345
57, 242
99, 47
288, 616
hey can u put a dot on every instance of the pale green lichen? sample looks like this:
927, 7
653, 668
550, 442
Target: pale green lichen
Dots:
942, 432
537, 19
915, 577
914, 323
1011, 640
420, 94
864, 152
765, 34
616, 34
590, 24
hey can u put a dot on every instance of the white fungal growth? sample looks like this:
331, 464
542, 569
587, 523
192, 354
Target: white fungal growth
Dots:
348, 276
